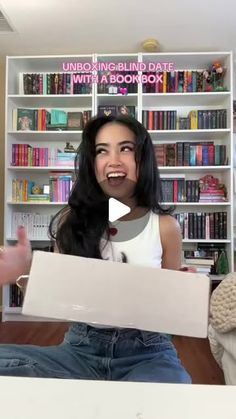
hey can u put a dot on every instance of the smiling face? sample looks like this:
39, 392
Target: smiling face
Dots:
115, 166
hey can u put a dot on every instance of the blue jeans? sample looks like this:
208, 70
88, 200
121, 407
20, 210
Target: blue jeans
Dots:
98, 354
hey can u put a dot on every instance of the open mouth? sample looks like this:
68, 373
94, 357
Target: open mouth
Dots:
116, 178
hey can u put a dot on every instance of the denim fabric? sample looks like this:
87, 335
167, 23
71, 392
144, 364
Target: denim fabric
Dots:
98, 354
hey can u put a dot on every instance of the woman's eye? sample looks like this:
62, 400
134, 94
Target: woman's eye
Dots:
100, 151
127, 148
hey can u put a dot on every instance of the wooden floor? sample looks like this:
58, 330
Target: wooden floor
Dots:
194, 353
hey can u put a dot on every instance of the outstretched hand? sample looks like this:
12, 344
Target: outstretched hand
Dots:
15, 260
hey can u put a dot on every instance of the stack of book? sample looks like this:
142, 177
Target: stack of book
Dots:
60, 184
203, 225
53, 120
52, 84
211, 190
65, 159
191, 154
201, 264
169, 120
209, 258
25, 155
181, 81
36, 225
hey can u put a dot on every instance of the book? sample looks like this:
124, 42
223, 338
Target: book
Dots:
126, 110
58, 117
75, 121
107, 110
199, 261
25, 119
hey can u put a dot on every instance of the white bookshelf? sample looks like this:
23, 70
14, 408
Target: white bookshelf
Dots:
15, 99
182, 102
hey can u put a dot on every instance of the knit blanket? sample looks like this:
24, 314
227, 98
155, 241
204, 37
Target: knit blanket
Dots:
223, 305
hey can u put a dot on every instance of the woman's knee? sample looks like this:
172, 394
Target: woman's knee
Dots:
13, 356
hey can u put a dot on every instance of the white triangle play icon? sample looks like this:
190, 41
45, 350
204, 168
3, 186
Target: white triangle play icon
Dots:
117, 210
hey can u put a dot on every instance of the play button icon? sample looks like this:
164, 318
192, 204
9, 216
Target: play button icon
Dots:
121, 230
117, 210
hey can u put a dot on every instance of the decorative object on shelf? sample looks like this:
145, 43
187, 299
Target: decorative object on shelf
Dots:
37, 189
69, 148
151, 45
222, 264
214, 78
112, 90
46, 189
211, 189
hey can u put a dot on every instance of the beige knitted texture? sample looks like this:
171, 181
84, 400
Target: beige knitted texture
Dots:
223, 305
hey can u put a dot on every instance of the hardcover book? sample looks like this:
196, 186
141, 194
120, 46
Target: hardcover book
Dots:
126, 110
25, 119
107, 110
75, 121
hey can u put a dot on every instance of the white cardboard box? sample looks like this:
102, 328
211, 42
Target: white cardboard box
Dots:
39, 398
117, 294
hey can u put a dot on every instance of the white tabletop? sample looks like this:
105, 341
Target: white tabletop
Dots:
35, 398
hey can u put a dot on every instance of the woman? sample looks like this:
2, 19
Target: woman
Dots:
115, 159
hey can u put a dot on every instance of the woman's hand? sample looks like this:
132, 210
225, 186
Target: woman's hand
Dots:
15, 260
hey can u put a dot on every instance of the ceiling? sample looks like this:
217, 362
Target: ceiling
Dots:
116, 26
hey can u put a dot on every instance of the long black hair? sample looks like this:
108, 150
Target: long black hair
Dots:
79, 227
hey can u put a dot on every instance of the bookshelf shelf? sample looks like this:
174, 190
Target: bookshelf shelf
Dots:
51, 96
39, 101
118, 99
41, 168
59, 132
182, 103
177, 169
52, 136
171, 169
201, 99
37, 203
190, 131
197, 204
15, 314
189, 94
44, 239
205, 241
12, 310
159, 136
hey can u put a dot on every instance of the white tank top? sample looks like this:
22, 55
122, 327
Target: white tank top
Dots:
145, 249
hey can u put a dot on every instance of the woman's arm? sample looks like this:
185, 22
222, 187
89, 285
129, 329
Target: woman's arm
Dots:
171, 240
